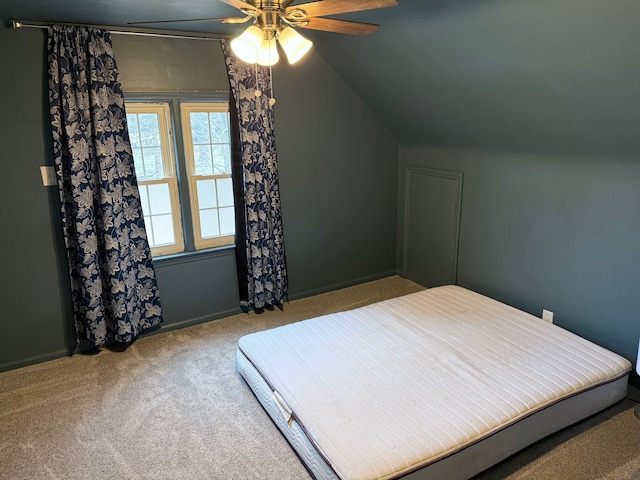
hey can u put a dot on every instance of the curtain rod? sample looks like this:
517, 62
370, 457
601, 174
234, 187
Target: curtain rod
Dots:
121, 31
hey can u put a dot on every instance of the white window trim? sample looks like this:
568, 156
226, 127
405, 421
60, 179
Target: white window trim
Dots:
170, 179
186, 108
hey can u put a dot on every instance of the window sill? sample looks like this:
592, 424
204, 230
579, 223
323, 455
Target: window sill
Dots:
200, 255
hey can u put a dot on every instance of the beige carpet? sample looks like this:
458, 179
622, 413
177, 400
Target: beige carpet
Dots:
173, 407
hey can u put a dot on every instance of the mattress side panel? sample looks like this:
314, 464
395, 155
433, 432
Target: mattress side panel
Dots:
292, 431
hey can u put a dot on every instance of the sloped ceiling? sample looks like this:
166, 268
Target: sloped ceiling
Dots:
556, 75
530, 75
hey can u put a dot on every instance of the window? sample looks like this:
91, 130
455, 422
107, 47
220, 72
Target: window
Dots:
208, 154
186, 193
149, 131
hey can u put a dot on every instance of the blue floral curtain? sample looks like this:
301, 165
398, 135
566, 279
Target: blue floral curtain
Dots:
262, 273
113, 283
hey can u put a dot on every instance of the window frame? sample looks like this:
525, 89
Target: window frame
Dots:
178, 150
186, 108
163, 111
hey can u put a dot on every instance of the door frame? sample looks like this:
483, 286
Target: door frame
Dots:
450, 175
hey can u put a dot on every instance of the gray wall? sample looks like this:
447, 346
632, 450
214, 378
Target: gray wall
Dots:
554, 232
548, 148
338, 174
34, 288
337, 167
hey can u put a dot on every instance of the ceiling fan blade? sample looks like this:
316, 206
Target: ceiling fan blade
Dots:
339, 26
221, 19
241, 5
335, 7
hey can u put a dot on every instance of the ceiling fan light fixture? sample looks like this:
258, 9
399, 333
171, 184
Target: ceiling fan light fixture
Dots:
247, 47
295, 46
268, 54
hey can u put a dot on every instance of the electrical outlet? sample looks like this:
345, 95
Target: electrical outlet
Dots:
547, 315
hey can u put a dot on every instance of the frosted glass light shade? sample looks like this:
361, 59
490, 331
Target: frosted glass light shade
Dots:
247, 46
268, 54
294, 45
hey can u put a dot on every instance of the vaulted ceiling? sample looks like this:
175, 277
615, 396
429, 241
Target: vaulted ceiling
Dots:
530, 75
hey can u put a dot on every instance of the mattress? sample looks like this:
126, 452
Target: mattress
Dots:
442, 383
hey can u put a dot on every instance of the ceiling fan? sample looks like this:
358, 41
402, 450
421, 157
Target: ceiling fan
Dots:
276, 19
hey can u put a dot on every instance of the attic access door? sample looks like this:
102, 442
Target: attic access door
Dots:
432, 221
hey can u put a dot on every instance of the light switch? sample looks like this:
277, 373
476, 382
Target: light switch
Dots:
48, 173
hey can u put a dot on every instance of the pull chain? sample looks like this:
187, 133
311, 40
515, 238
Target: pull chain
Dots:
272, 101
258, 92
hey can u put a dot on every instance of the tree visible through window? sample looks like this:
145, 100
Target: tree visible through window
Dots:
206, 172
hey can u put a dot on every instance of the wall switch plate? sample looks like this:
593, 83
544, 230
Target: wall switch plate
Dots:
547, 315
48, 173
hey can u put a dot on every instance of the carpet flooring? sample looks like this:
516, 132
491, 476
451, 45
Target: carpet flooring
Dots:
172, 406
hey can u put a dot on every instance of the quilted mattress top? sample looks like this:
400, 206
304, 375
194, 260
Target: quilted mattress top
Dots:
393, 386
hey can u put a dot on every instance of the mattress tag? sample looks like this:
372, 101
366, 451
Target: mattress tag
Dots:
283, 407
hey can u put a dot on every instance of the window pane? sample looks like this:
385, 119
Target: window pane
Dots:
144, 199
200, 127
206, 194
222, 159
149, 129
209, 223
225, 192
159, 199
144, 132
139, 166
203, 163
219, 127
152, 161
132, 125
163, 230
227, 221
147, 225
